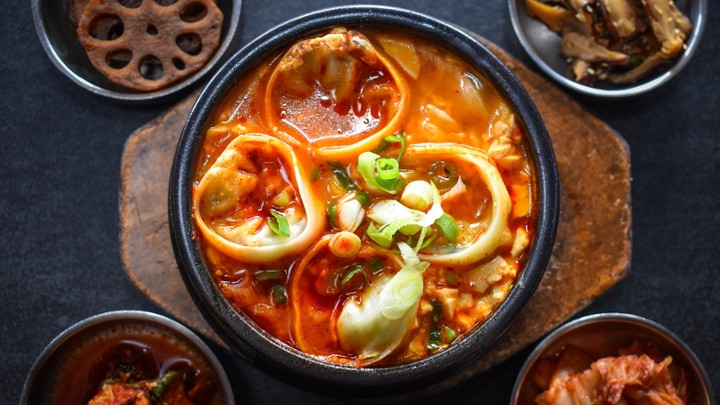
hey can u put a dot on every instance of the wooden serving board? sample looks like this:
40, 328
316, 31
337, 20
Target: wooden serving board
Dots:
591, 252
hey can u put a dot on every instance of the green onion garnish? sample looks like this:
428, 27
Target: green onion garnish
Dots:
434, 336
363, 198
163, 383
375, 265
447, 226
278, 224
382, 174
342, 176
279, 295
398, 137
265, 275
384, 235
354, 270
331, 213
448, 334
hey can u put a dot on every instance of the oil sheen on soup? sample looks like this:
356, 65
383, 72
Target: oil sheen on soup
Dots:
365, 197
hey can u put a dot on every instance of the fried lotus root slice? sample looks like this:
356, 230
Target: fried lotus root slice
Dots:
339, 92
145, 45
314, 326
497, 233
230, 203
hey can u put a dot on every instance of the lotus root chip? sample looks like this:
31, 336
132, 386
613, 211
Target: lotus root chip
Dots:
147, 44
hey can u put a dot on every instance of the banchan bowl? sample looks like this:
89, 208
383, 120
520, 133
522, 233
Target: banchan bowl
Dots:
58, 38
602, 334
63, 352
543, 47
287, 362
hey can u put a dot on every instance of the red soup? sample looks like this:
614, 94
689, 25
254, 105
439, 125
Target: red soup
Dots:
365, 197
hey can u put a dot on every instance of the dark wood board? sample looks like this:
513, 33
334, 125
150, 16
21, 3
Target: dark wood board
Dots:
591, 252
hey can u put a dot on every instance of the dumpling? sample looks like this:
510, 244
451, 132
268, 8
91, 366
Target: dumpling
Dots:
255, 204
373, 324
497, 233
337, 92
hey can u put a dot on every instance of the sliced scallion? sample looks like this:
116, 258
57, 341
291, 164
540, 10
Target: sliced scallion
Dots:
434, 336
279, 294
398, 137
342, 176
447, 226
375, 265
354, 271
449, 334
331, 214
266, 275
163, 383
363, 198
381, 174
278, 224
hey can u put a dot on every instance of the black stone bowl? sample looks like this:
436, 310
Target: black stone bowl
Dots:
284, 361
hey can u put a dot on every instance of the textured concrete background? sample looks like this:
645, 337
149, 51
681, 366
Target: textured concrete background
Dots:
60, 174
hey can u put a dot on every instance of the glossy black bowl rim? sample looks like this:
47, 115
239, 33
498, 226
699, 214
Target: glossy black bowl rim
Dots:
282, 360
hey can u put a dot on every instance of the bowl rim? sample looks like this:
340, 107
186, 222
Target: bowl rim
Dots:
612, 317
111, 318
698, 28
280, 359
132, 96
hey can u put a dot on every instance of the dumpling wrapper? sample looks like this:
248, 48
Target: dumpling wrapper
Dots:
374, 327
498, 232
333, 60
227, 182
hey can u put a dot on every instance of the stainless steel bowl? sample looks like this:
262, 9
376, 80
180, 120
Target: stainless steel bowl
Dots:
40, 381
543, 47
603, 334
58, 38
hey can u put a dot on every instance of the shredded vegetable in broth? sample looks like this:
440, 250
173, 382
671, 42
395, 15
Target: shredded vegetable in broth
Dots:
365, 197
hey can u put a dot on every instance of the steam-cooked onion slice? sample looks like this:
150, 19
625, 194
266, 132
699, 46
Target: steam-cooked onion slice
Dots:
224, 188
338, 92
498, 232
313, 325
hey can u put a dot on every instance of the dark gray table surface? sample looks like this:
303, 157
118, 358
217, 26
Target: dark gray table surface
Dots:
60, 157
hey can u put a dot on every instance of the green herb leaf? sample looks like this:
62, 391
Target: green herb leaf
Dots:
278, 224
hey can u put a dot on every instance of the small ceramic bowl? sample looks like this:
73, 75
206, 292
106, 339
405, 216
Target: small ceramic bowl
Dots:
602, 335
543, 47
58, 38
68, 349
283, 360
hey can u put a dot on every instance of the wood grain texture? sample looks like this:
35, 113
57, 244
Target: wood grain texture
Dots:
591, 252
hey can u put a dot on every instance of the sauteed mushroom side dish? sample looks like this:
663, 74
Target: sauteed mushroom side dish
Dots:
618, 41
